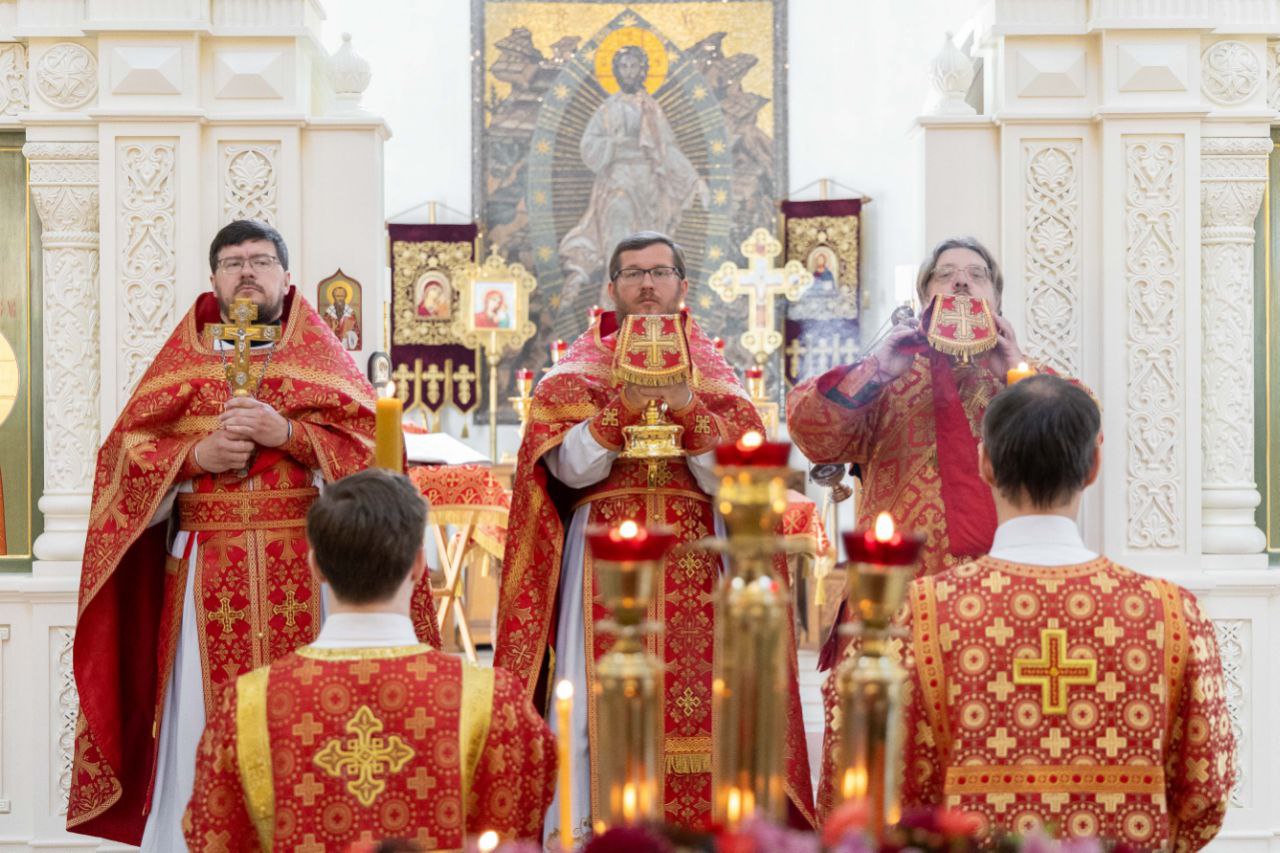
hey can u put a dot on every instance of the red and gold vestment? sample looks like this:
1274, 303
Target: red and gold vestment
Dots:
915, 442
582, 388
329, 746
253, 594
1086, 697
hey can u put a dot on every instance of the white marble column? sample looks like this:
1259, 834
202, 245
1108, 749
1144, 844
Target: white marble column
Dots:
64, 185
1233, 178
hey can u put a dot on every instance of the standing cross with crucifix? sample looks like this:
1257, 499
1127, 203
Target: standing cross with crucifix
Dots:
762, 283
242, 331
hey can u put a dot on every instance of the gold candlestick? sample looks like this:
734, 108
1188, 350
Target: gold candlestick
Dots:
749, 687
627, 560
869, 684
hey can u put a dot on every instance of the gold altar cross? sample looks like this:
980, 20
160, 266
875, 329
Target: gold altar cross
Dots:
656, 345
462, 379
1053, 671
366, 758
795, 353
242, 332
762, 283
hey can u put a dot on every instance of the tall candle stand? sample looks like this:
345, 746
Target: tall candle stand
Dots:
749, 686
627, 560
869, 683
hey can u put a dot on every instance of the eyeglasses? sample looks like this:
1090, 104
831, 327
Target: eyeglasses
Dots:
260, 263
660, 275
947, 274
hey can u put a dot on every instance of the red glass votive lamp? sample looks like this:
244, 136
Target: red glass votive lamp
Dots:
753, 451
558, 349
524, 381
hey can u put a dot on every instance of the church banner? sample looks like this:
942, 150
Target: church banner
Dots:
594, 120
821, 329
430, 367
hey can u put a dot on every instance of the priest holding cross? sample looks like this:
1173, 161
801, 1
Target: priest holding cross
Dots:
195, 568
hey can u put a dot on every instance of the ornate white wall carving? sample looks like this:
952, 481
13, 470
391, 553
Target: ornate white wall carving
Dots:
1233, 646
1154, 268
1273, 75
1233, 176
66, 709
250, 181
13, 79
1229, 72
67, 75
148, 191
64, 186
1052, 176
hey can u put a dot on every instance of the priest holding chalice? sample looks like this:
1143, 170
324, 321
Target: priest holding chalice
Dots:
909, 413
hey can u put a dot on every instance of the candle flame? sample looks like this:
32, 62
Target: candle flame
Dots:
389, 390
1022, 367
884, 527
628, 529
629, 798
487, 841
733, 806
751, 440
564, 690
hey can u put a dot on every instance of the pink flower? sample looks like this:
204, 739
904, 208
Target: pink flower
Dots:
849, 817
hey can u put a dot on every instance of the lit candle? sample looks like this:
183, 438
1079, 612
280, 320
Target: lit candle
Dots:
564, 710
755, 381
558, 349
524, 380
883, 545
629, 802
1017, 374
752, 450
733, 806
487, 842
594, 314
718, 343
388, 435
629, 542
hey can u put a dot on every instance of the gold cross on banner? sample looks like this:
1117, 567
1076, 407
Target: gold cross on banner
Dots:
1053, 671
242, 331
762, 283
366, 758
655, 343
962, 320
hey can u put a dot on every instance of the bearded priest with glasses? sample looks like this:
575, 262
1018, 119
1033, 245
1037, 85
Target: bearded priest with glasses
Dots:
195, 569
908, 418
570, 474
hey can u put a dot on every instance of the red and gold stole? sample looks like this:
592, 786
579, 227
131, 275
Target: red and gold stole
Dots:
255, 600
579, 387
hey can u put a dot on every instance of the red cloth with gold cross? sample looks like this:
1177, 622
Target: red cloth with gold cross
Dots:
583, 387
1085, 697
326, 747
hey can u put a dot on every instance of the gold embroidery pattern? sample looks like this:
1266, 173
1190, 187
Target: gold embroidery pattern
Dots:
364, 759
1054, 672
473, 722
253, 753
370, 653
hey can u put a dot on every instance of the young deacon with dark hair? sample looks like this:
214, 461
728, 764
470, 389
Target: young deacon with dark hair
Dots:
366, 733
1049, 685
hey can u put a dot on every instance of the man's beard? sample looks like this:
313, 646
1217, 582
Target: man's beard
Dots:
267, 312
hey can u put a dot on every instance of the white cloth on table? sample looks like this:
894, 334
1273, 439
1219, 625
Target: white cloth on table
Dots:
580, 461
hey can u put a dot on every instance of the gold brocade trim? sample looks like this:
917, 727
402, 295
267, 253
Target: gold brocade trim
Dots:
642, 492
1073, 570
253, 753
237, 510
1177, 648
567, 412
473, 724
925, 630
1051, 778
687, 754
369, 653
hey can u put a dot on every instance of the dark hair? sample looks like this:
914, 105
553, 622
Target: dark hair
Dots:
365, 531
970, 243
630, 50
1041, 437
242, 231
643, 240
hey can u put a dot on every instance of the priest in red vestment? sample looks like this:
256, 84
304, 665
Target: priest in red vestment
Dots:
367, 734
195, 564
1050, 686
570, 475
909, 419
